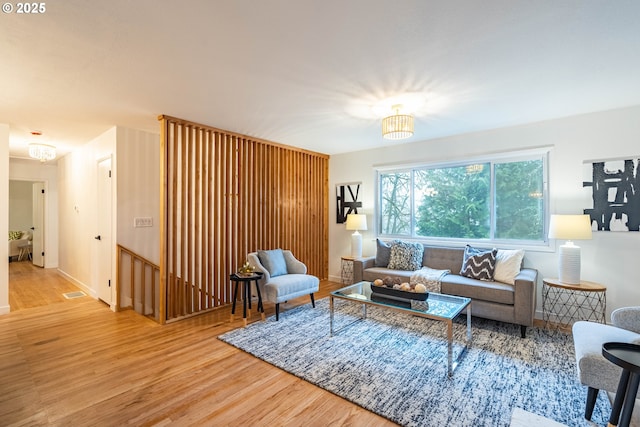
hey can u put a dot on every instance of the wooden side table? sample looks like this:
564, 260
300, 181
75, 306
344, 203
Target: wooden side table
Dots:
346, 275
564, 303
246, 292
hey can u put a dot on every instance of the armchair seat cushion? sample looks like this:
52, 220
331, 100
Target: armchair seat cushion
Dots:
593, 369
282, 288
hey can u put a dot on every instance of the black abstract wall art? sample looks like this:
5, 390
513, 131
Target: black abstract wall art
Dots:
347, 200
615, 190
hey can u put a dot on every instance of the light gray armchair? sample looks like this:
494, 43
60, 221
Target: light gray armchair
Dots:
284, 277
594, 371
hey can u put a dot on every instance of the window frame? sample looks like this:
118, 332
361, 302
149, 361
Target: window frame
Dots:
542, 153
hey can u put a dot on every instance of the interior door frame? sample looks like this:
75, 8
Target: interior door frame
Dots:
98, 259
47, 228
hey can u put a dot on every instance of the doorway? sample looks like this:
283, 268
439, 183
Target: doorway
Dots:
27, 210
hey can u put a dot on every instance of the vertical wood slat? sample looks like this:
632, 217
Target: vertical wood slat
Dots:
225, 195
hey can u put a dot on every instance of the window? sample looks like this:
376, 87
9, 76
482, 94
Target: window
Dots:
501, 199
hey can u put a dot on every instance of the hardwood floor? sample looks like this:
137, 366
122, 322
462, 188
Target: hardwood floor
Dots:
78, 363
31, 286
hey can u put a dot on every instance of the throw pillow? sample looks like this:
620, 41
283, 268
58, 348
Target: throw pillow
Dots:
273, 261
383, 252
15, 235
479, 263
406, 256
508, 263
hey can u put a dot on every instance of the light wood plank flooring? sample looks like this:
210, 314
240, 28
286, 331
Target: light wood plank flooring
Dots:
31, 286
78, 363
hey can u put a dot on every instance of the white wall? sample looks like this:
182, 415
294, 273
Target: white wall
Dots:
33, 170
609, 258
136, 193
138, 155
4, 217
77, 174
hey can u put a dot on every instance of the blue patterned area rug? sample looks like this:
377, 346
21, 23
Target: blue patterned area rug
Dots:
394, 364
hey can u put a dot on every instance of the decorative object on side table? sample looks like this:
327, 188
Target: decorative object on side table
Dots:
247, 270
569, 227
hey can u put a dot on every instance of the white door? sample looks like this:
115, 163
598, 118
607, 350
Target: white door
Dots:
37, 228
103, 236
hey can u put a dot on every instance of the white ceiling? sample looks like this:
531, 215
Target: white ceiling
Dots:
308, 72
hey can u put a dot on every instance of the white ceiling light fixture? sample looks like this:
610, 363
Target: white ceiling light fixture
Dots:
398, 126
42, 152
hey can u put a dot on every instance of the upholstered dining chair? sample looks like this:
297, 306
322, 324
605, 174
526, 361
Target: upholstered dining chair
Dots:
594, 371
284, 277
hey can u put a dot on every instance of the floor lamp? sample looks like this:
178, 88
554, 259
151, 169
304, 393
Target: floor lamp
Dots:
356, 222
569, 227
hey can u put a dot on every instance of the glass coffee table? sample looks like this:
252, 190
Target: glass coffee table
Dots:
444, 308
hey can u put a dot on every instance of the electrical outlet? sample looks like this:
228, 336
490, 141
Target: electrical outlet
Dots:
143, 222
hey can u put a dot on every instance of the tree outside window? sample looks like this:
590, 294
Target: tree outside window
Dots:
502, 200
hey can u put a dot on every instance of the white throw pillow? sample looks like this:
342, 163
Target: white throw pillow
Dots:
508, 264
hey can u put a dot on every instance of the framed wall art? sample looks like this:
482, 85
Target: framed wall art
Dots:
347, 200
615, 192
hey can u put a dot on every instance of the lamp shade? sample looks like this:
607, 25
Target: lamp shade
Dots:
397, 126
356, 222
570, 227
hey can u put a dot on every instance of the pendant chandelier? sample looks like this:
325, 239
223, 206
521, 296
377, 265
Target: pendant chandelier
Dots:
398, 126
42, 152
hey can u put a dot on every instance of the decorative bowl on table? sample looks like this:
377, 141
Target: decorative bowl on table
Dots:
242, 274
247, 270
405, 291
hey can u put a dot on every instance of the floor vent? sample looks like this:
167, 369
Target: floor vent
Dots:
71, 295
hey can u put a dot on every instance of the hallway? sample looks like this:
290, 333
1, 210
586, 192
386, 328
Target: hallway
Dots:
31, 286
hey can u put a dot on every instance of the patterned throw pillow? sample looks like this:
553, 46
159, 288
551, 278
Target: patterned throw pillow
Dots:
479, 263
406, 256
15, 235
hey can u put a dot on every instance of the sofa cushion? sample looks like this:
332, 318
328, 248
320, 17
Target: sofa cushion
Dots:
508, 263
289, 286
373, 273
502, 293
273, 261
479, 263
406, 256
383, 253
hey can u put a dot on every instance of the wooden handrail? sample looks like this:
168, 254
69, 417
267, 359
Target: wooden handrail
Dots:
145, 283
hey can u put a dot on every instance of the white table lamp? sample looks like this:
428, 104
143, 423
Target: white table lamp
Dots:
570, 227
356, 222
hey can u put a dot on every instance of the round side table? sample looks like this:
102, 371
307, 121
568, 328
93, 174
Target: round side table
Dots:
563, 303
627, 356
347, 269
246, 293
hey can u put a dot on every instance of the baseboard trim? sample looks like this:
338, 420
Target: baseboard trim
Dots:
79, 284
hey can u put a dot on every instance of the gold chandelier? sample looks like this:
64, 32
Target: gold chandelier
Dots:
398, 126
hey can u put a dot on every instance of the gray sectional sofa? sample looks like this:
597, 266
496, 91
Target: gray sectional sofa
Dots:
490, 299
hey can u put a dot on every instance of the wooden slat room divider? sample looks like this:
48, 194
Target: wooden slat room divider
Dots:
224, 195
